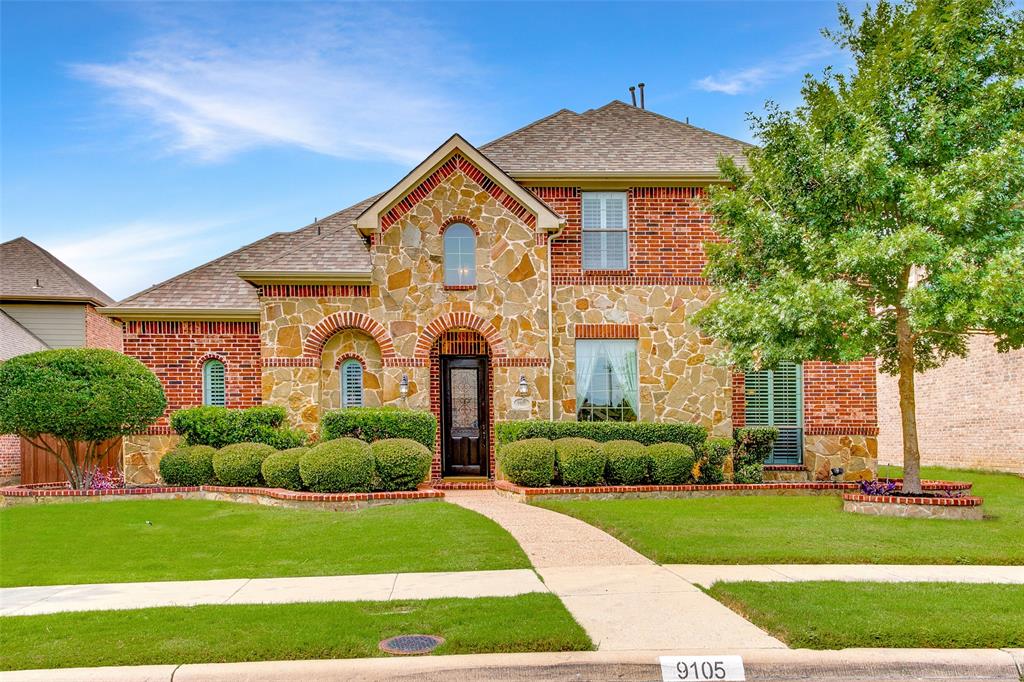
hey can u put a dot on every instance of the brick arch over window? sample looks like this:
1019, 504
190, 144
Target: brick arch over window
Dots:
350, 356
448, 321
212, 356
459, 219
332, 324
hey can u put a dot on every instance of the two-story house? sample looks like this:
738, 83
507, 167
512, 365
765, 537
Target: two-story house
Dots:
549, 274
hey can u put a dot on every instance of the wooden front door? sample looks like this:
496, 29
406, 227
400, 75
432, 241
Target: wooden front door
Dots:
464, 415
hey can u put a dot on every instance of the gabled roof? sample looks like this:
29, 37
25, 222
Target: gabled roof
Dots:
368, 221
15, 339
215, 290
616, 139
30, 272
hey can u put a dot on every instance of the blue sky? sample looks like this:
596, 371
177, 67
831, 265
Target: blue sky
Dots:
142, 139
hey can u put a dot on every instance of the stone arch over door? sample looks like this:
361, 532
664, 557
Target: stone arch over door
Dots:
467, 321
332, 324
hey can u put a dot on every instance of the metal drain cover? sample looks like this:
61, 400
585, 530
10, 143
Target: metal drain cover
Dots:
411, 644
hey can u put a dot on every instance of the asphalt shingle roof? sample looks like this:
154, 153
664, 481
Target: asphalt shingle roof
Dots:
28, 271
614, 139
15, 339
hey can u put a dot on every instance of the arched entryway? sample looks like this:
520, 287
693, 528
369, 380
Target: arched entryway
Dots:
461, 386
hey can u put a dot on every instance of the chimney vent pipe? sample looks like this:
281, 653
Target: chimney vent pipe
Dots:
632, 93
642, 105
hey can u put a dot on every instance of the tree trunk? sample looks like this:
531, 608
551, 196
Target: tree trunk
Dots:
908, 402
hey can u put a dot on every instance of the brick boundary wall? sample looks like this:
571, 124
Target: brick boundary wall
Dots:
10, 459
102, 332
175, 352
970, 412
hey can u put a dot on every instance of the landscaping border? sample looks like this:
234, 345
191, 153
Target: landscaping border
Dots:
958, 508
778, 488
51, 493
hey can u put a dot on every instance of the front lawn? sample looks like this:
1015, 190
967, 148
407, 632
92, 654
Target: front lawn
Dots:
811, 530
267, 632
147, 540
838, 615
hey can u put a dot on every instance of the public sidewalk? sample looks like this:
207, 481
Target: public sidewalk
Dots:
706, 575
24, 601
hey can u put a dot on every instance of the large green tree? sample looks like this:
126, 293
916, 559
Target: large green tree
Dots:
883, 217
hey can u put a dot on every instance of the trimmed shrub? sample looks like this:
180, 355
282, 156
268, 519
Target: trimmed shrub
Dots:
629, 463
753, 445
749, 473
400, 463
239, 464
529, 463
281, 469
220, 426
188, 466
671, 463
712, 460
646, 433
378, 423
579, 461
342, 465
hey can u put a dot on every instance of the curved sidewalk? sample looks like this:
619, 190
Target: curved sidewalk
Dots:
622, 599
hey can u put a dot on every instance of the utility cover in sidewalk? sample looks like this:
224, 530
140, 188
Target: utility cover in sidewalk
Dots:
411, 644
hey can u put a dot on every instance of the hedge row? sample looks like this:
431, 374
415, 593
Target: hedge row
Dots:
339, 465
378, 423
220, 426
645, 433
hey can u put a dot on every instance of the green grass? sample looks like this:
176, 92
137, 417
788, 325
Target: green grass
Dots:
266, 632
144, 540
812, 530
837, 615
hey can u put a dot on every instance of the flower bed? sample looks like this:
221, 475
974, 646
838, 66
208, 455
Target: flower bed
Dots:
911, 506
274, 497
599, 492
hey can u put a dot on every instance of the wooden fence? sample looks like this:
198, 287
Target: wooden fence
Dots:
39, 466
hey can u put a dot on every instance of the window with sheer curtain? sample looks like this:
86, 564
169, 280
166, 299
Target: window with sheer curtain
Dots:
459, 255
605, 231
606, 380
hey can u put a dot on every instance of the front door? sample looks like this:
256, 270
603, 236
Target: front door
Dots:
464, 415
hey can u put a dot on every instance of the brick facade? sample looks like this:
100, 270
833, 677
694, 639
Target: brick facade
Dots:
970, 412
840, 399
101, 332
175, 351
10, 459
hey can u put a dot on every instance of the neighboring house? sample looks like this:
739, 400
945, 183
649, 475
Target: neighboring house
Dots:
45, 304
550, 274
970, 411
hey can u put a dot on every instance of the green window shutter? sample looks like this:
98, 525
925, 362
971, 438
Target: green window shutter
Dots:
351, 384
213, 383
775, 398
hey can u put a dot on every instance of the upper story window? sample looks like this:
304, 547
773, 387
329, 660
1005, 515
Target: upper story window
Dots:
351, 383
213, 383
606, 380
605, 235
459, 255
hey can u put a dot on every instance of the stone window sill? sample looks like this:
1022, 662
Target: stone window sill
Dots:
605, 273
460, 287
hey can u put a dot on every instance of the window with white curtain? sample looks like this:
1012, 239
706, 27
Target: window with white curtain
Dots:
213, 383
351, 383
459, 255
606, 380
605, 232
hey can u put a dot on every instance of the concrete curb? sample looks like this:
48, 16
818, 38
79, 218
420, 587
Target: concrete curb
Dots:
848, 665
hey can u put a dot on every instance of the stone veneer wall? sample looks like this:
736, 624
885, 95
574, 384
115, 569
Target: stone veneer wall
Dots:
970, 411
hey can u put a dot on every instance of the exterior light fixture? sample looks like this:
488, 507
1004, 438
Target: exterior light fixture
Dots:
403, 386
524, 388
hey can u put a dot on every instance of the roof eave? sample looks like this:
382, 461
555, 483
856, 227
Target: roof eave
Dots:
304, 277
53, 299
628, 176
173, 314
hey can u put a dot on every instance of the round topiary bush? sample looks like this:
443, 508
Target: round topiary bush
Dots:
579, 461
628, 462
239, 464
337, 466
173, 467
281, 469
671, 463
400, 463
529, 462
188, 466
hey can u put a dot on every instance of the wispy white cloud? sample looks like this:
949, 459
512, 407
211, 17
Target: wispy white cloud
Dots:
353, 81
752, 78
127, 258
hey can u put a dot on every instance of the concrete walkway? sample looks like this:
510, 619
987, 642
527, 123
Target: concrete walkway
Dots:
25, 601
706, 575
622, 599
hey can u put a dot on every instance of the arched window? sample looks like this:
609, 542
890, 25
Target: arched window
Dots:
351, 383
213, 383
459, 255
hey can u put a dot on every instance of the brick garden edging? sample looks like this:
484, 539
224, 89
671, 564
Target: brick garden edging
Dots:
272, 497
610, 492
959, 508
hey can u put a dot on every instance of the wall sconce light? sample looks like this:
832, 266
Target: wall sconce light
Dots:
524, 388
403, 386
